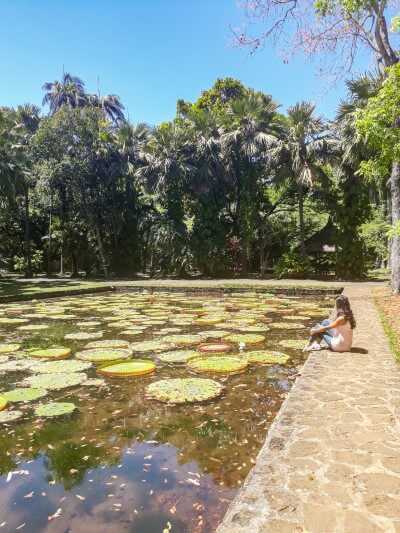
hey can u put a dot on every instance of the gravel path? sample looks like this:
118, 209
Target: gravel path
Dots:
331, 461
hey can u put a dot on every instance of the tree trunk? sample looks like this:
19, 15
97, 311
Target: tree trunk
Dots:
301, 222
100, 246
395, 255
27, 236
75, 272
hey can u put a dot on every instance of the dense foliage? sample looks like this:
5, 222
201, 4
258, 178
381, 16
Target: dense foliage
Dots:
231, 186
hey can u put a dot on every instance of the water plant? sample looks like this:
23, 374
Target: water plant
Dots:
218, 364
137, 367
51, 353
49, 410
177, 356
9, 347
98, 355
251, 338
264, 357
184, 390
54, 381
24, 394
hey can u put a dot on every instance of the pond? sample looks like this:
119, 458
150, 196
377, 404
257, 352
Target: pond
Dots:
124, 461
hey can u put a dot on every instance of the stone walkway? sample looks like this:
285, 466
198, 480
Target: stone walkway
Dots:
331, 462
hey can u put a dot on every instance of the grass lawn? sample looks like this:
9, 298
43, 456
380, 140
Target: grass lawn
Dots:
388, 306
20, 289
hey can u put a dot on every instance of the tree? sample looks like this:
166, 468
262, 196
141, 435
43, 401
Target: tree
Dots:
379, 123
70, 91
301, 151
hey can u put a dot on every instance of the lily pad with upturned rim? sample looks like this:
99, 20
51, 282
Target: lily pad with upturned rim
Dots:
113, 343
184, 390
52, 409
218, 364
60, 367
3, 402
51, 353
137, 367
182, 340
287, 325
264, 357
34, 327
151, 346
215, 347
83, 336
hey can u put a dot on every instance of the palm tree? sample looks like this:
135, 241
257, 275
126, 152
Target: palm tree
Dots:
110, 104
301, 151
69, 91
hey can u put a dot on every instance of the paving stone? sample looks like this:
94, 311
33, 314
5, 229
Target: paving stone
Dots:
331, 461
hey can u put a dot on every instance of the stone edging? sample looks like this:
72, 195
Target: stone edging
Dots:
55, 294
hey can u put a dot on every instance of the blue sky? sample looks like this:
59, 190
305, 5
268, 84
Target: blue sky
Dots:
149, 52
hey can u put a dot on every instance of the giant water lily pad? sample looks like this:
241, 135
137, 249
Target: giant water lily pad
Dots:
186, 390
51, 353
177, 356
4, 358
262, 357
28, 394
51, 409
287, 325
83, 336
12, 321
98, 355
10, 416
59, 367
111, 343
54, 381
3, 402
251, 338
214, 334
183, 340
16, 366
150, 346
88, 324
215, 347
296, 317
8, 347
138, 367
253, 328
34, 327
218, 364
296, 344
94, 382
62, 317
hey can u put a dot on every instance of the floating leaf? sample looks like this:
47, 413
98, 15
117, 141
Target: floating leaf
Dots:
184, 340
51, 409
59, 367
51, 353
150, 346
34, 327
98, 355
54, 381
215, 347
83, 336
94, 382
138, 367
218, 364
177, 356
262, 357
287, 325
296, 344
113, 343
24, 394
214, 334
3, 402
184, 390
246, 339
10, 416
9, 348
12, 321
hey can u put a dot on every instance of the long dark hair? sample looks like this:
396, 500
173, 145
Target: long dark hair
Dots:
343, 309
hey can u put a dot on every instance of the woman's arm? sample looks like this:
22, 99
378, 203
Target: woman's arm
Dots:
340, 320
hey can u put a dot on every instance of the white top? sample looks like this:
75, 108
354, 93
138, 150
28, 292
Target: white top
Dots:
342, 338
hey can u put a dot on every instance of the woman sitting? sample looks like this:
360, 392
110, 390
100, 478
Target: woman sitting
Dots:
336, 334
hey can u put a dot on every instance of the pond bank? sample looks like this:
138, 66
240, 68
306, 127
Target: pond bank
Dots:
331, 459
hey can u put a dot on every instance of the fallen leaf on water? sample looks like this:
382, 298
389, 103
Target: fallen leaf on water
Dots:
57, 514
29, 495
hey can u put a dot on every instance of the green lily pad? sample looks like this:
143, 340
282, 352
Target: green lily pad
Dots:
94, 382
59, 367
98, 355
287, 325
296, 317
12, 321
177, 356
4, 358
88, 324
138, 367
262, 357
182, 340
113, 343
62, 317
9, 348
10, 416
24, 394
218, 364
186, 390
150, 346
51, 409
246, 339
83, 336
34, 327
54, 381
214, 334
296, 344
16, 366
51, 353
